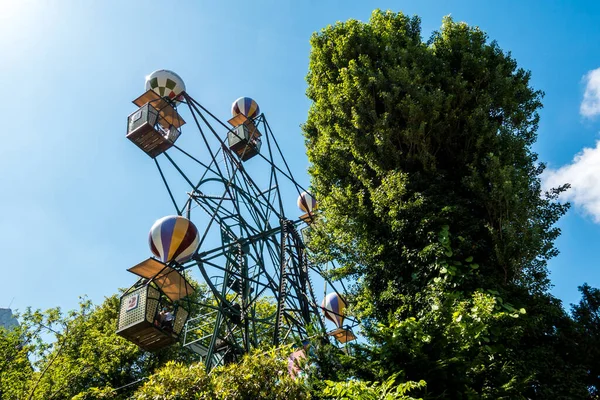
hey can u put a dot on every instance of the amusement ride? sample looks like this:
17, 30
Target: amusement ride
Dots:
230, 232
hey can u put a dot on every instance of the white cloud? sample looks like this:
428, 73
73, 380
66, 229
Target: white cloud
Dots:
583, 173
590, 106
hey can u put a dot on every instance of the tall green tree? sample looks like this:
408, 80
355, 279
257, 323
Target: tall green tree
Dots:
15, 366
421, 159
586, 315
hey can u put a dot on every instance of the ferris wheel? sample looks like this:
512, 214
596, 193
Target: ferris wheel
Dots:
229, 186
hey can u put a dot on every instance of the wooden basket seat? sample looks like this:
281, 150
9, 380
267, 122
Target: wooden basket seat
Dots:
139, 318
245, 140
155, 126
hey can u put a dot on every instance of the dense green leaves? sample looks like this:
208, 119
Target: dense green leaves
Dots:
405, 137
388, 390
257, 376
15, 367
431, 200
586, 315
61, 355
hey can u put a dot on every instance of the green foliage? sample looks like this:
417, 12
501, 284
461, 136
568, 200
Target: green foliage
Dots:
177, 381
586, 333
431, 200
405, 137
86, 353
359, 390
63, 355
15, 367
257, 376
458, 341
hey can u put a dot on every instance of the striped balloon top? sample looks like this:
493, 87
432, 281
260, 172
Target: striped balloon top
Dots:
246, 106
173, 238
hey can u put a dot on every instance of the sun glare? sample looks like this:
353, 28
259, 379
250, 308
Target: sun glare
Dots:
11, 9
21, 24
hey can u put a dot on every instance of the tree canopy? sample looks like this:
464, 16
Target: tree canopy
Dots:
56, 355
421, 158
405, 137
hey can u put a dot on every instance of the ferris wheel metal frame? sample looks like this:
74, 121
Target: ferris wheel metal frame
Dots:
258, 280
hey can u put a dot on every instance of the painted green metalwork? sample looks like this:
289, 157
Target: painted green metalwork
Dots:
251, 257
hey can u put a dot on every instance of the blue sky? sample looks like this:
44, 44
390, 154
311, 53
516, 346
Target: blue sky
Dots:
78, 198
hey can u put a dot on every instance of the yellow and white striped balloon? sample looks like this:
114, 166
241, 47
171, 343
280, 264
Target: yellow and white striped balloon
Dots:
174, 238
246, 106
